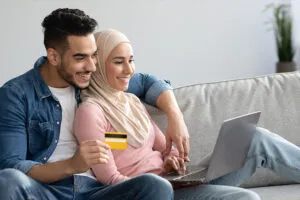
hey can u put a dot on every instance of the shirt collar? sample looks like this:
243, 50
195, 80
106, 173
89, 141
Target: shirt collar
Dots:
40, 86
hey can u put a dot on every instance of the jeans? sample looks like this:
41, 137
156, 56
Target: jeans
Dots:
267, 150
15, 185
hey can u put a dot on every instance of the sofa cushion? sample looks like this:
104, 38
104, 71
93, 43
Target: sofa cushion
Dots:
288, 192
206, 106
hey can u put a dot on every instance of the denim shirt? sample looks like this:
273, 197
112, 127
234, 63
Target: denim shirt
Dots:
30, 116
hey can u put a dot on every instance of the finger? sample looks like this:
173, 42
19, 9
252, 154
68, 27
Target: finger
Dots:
97, 155
95, 143
181, 164
186, 159
97, 149
186, 147
168, 145
98, 161
174, 164
180, 148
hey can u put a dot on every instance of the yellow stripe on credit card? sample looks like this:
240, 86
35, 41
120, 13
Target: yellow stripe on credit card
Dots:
116, 140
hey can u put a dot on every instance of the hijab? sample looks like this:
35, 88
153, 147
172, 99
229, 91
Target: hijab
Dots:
123, 110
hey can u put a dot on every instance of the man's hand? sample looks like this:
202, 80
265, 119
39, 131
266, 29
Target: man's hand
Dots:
177, 132
89, 152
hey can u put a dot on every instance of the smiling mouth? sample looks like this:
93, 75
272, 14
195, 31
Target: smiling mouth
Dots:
124, 78
85, 76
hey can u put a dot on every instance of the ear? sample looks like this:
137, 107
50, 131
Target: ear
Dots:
53, 56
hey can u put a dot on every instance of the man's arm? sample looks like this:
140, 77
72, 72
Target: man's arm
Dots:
176, 130
14, 143
147, 87
89, 153
159, 93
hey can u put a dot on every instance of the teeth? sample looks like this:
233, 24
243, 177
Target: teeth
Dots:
84, 76
124, 78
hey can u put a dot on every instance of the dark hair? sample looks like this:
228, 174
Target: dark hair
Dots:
64, 22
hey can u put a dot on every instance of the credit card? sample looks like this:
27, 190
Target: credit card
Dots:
116, 140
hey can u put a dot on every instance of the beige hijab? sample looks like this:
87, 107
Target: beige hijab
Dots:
123, 110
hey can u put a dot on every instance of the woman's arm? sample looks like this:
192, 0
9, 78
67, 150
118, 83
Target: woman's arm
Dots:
90, 124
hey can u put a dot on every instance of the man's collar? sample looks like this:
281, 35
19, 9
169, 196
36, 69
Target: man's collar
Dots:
40, 85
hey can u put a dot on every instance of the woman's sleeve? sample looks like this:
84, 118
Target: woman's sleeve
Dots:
91, 124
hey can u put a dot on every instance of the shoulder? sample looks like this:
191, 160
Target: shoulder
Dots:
16, 88
89, 120
91, 111
19, 85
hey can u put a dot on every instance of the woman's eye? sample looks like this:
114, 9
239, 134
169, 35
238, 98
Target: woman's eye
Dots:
118, 62
131, 61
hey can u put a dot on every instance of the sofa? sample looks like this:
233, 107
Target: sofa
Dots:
205, 106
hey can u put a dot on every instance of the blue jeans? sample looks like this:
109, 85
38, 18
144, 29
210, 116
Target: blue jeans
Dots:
267, 150
15, 185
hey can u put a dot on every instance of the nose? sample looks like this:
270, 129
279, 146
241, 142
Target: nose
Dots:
91, 64
128, 69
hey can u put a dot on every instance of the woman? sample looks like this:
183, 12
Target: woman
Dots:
107, 108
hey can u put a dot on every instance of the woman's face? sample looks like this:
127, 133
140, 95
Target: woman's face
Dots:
119, 66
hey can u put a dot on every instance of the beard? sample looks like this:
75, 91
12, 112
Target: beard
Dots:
70, 78
66, 76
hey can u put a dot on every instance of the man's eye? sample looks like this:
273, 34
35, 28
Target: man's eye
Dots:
79, 58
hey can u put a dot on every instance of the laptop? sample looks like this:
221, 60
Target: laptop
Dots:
229, 153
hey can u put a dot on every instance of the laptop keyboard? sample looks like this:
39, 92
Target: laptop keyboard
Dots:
198, 176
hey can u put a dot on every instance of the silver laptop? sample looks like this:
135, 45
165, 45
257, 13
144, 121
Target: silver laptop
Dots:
229, 153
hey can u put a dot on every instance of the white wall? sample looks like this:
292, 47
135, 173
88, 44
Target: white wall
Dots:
188, 41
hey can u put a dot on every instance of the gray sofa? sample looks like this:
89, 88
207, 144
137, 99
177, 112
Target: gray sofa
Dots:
205, 106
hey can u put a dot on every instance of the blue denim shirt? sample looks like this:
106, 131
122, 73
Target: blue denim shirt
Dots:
30, 116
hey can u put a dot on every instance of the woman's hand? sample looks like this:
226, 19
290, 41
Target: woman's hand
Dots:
89, 152
174, 163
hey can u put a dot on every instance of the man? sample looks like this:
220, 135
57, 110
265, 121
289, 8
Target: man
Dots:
40, 158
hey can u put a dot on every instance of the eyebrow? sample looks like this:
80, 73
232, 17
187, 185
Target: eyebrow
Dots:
121, 57
80, 54
84, 54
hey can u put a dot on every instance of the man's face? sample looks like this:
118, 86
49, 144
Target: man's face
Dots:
78, 61
119, 66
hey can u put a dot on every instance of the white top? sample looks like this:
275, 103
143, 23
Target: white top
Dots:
67, 143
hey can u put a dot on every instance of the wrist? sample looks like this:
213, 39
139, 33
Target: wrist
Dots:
69, 167
174, 113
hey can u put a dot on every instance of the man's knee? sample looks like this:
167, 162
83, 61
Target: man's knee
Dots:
13, 175
249, 195
11, 180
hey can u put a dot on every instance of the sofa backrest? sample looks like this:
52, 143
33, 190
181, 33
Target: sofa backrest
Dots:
206, 106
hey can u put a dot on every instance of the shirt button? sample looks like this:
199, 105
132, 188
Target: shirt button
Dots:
57, 105
55, 141
45, 158
57, 122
